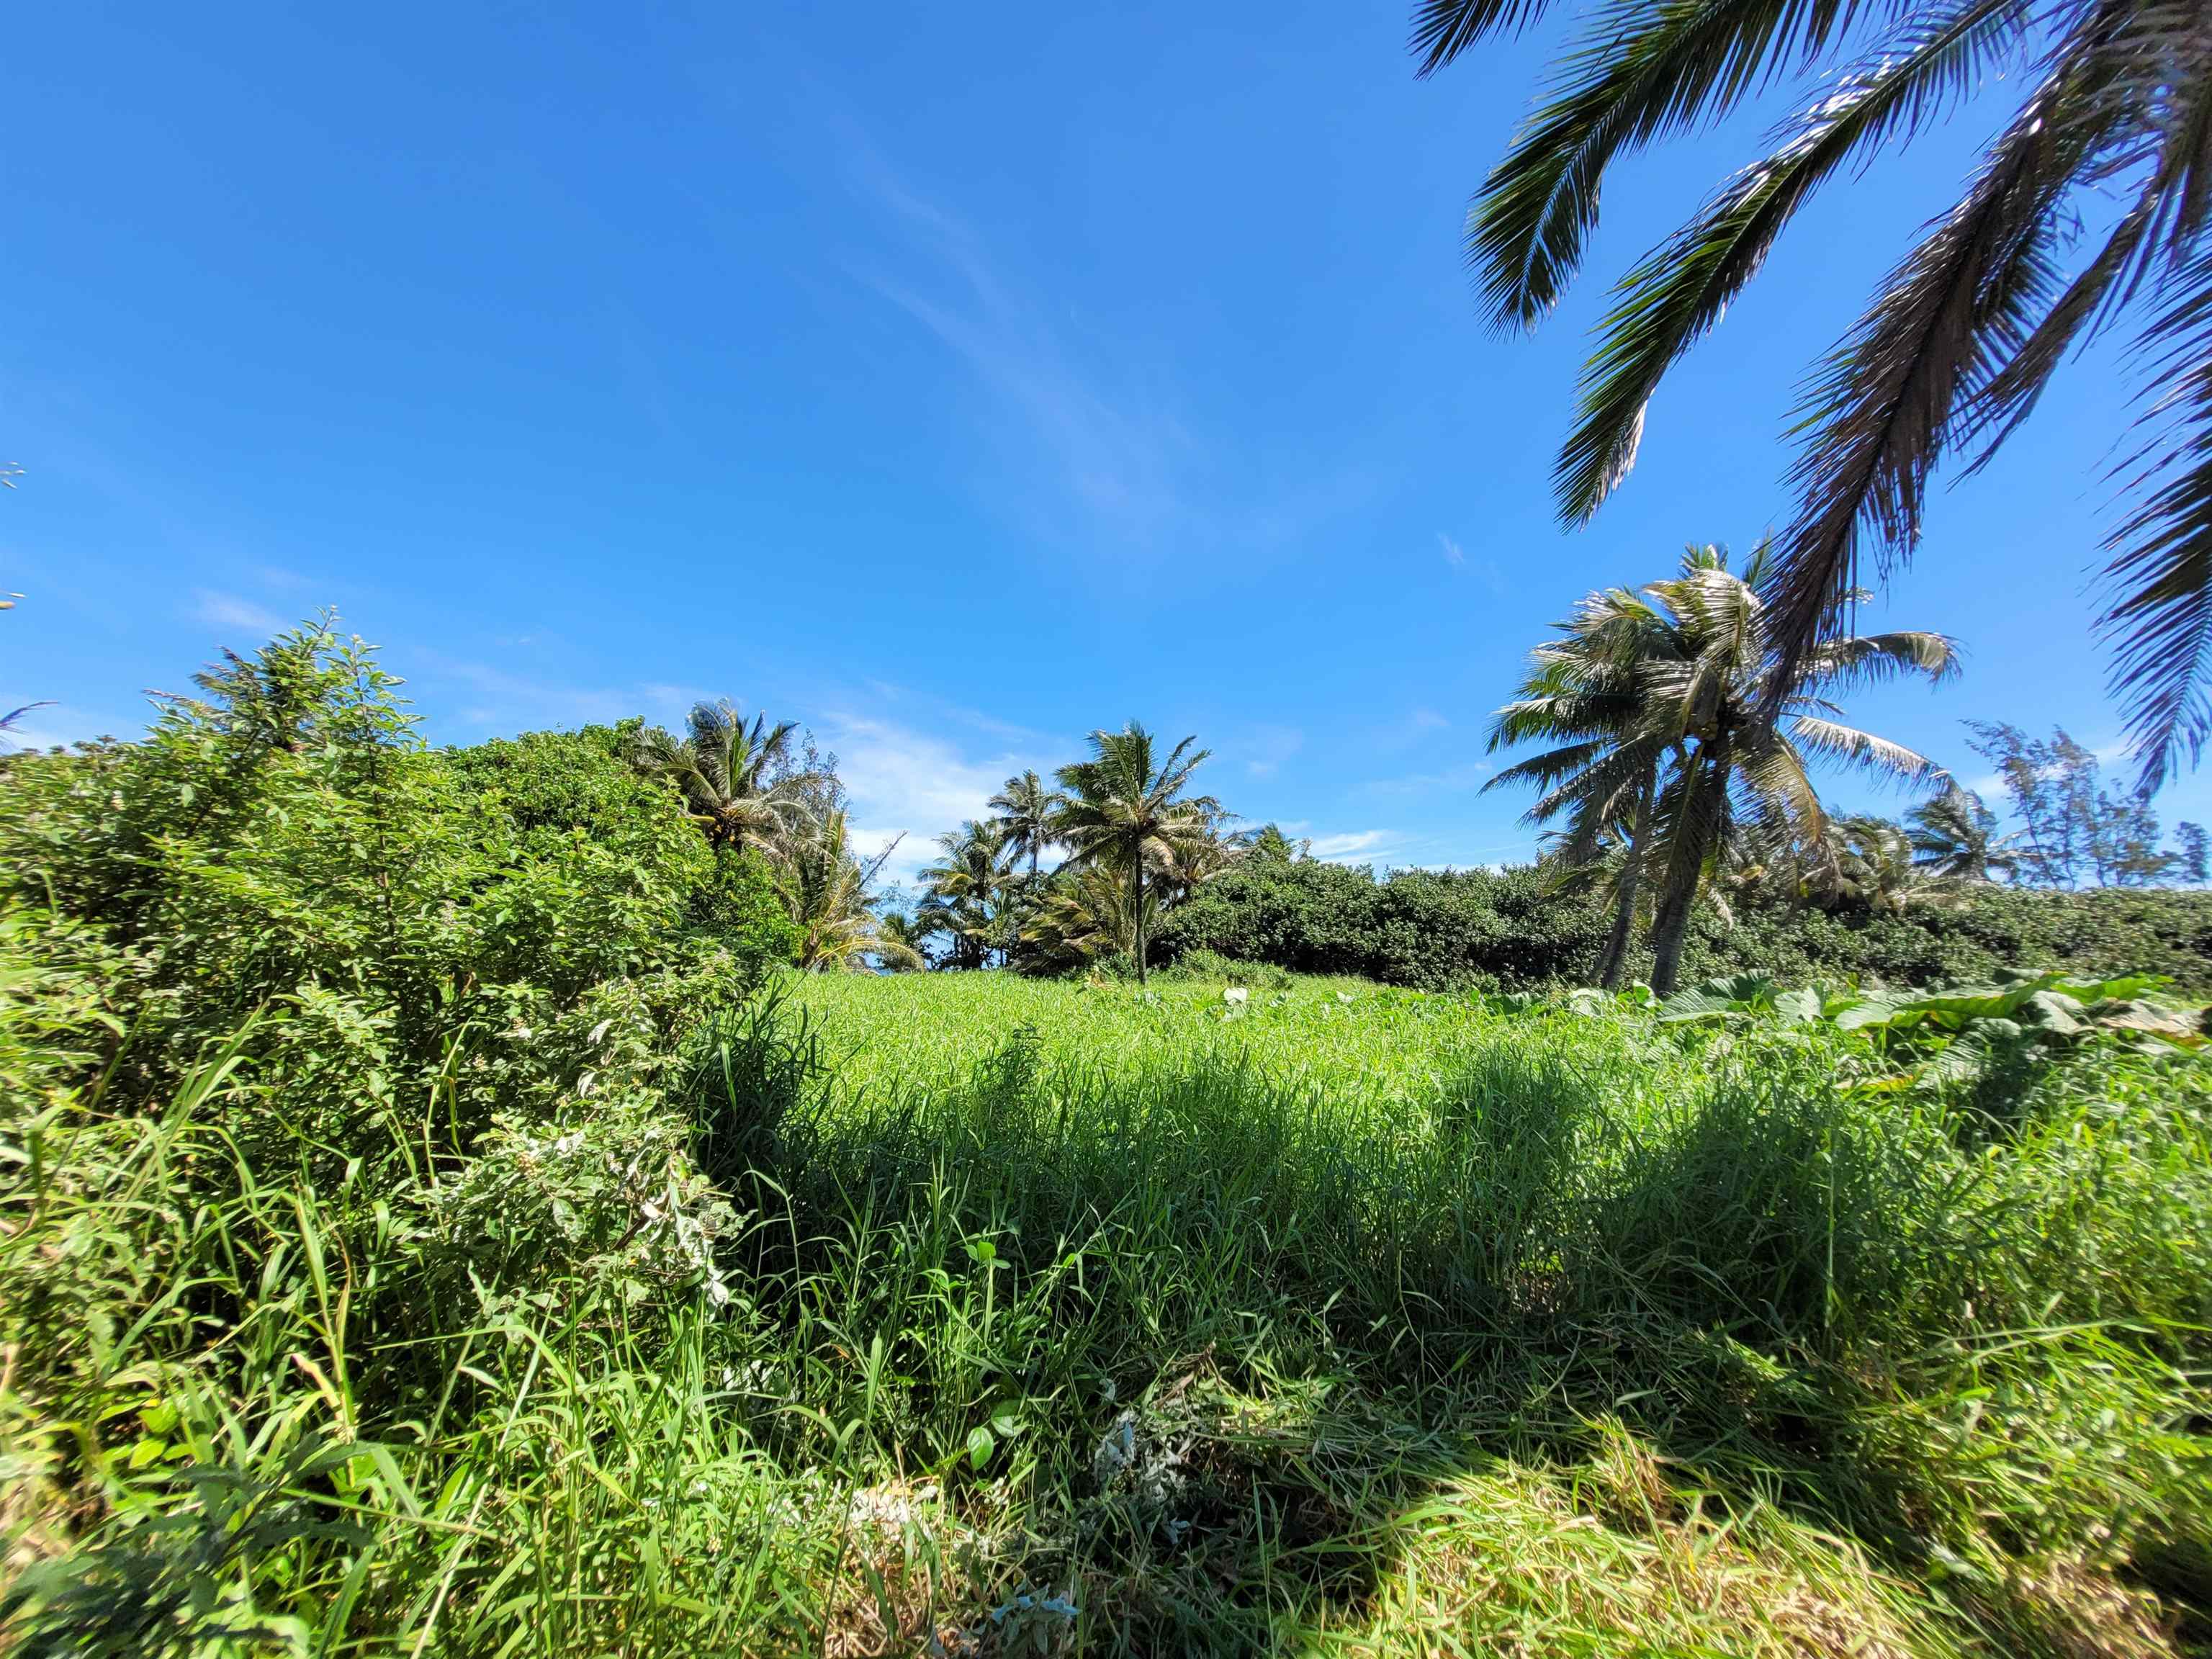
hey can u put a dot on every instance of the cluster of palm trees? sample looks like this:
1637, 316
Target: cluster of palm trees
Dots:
1133, 842
752, 790
1134, 839
1669, 768
1943, 850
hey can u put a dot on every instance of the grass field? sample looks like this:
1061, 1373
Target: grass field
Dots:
990, 1315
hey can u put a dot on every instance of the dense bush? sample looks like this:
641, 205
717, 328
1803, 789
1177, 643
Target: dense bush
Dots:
284, 846
2102, 931
1428, 929
1476, 927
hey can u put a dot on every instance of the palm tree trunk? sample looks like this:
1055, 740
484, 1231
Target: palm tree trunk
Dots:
1631, 873
1670, 928
1686, 864
1137, 911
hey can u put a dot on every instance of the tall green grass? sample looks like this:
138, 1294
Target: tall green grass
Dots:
1012, 1317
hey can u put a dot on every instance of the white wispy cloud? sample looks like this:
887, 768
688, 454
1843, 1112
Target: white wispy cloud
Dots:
1351, 845
1399, 734
1269, 746
1393, 849
500, 700
1467, 775
1117, 452
903, 782
231, 610
1491, 573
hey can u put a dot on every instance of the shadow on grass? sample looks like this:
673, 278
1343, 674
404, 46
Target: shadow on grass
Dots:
1252, 1334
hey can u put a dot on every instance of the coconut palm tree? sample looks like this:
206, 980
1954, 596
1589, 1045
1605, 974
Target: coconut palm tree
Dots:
827, 888
1085, 914
1197, 858
2110, 101
722, 767
1712, 699
1688, 698
1954, 838
1583, 694
1026, 805
909, 932
967, 889
1129, 814
1866, 863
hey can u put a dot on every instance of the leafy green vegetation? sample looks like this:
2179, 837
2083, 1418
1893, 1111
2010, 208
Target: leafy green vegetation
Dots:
1517, 929
514, 1200
438, 1217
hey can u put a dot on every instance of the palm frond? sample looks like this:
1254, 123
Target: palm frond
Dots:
1881, 413
1859, 659
1445, 28
1832, 740
1641, 70
1678, 291
2161, 562
1785, 802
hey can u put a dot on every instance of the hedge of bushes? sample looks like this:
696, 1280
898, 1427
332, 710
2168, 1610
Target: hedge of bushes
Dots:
1447, 930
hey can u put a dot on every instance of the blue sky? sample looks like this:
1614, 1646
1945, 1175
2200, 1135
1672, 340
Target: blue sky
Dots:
955, 380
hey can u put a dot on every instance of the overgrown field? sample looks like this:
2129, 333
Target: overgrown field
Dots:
1030, 1317
429, 1225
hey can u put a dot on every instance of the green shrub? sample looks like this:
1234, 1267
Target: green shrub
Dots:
1204, 966
1432, 930
740, 907
1478, 928
2101, 932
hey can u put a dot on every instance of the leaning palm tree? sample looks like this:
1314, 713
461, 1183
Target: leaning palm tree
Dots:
1692, 706
1582, 695
1195, 858
827, 888
1954, 838
1866, 863
2113, 104
722, 767
1130, 815
1025, 805
1713, 700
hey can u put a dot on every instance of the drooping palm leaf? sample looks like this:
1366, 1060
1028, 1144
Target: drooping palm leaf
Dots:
2114, 99
2162, 617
